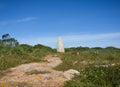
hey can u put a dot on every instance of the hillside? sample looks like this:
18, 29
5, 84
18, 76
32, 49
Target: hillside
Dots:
98, 67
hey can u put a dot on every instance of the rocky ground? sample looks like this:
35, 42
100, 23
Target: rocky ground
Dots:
37, 74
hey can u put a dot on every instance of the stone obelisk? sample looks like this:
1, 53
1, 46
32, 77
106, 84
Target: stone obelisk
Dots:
60, 46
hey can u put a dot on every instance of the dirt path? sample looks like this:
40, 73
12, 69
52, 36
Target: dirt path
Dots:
35, 74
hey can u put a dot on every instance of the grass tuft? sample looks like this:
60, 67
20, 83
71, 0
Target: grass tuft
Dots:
37, 72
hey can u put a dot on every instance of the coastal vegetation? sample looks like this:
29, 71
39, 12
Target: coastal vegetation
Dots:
98, 67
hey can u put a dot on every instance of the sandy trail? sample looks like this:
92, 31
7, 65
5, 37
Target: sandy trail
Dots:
49, 77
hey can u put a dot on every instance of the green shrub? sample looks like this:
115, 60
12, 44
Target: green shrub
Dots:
13, 56
91, 56
96, 77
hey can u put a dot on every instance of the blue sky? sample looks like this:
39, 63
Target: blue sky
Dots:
79, 22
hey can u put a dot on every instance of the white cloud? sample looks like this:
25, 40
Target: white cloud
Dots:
88, 37
75, 40
43, 40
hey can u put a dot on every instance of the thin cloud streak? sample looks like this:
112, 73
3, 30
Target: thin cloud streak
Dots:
27, 19
51, 41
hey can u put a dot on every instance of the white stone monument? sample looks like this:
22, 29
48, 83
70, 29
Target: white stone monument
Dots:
60, 46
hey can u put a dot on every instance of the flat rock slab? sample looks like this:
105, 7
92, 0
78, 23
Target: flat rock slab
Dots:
54, 62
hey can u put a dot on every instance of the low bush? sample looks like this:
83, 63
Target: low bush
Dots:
96, 77
13, 56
